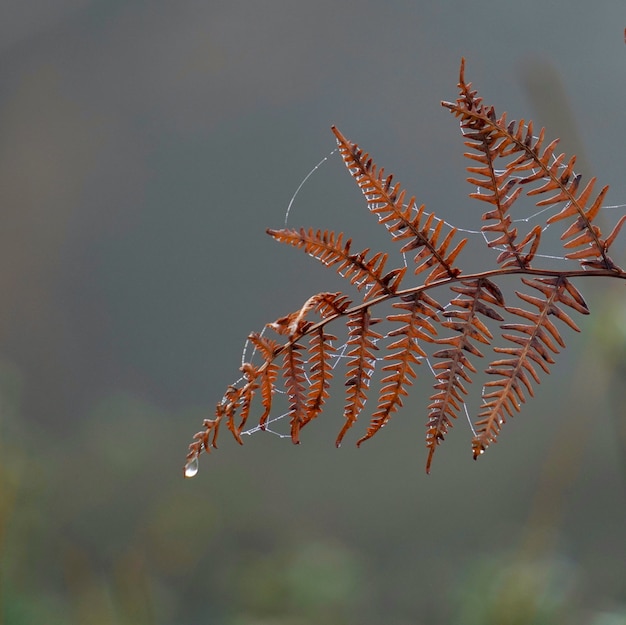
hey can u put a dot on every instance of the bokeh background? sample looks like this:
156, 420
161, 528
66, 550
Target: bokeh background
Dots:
144, 148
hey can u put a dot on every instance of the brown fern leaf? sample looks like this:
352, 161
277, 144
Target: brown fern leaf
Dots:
416, 327
506, 160
296, 324
534, 343
362, 340
230, 405
404, 221
251, 375
475, 299
595, 254
484, 135
268, 372
294, 375
331, 250
493, 138
331, 304
321, 353
226, 408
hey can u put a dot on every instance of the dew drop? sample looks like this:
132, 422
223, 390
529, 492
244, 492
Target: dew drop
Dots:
191, 468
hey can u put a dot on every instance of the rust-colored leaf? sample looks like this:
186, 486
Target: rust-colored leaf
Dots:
438, 308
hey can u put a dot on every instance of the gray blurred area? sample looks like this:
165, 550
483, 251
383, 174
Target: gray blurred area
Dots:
144, 148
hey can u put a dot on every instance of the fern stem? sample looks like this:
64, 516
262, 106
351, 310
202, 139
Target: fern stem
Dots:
492, 273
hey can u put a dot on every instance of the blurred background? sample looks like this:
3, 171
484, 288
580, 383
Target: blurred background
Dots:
144, 148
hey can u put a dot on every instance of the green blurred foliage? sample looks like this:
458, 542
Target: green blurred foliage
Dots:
96, 531
501, 592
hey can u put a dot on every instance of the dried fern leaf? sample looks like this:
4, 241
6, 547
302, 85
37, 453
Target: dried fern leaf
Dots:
321, 350
493, 138
506, 159
402, 220
207, 437
251, 375
362, 341
488, 137
331, 304
321, 353
295, 377
405, 353
330, 249
534, 341
268, 372
477, 297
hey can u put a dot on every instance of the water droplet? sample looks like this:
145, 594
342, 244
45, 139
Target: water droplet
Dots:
191, 468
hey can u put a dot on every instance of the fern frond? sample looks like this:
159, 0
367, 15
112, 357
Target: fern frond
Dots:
294, 375
321, 353
490, 140
330, 249
268, 372
362, 340
494, 138
475, 299
206, 438
534, 341
296, 324
400, 363
506, 159
251, 375
403, 221
331, 304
